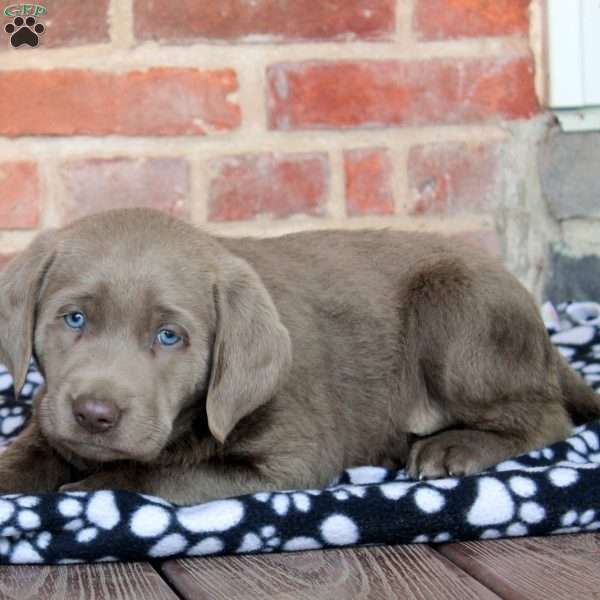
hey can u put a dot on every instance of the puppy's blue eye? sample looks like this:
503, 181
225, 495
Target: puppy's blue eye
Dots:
166, 337
75, 320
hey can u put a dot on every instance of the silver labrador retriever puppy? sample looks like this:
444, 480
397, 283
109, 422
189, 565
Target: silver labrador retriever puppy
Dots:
195, 367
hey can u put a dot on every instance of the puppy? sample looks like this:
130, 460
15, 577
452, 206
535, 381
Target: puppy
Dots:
193, 367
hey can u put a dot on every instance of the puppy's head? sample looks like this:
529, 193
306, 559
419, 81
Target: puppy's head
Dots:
136, 321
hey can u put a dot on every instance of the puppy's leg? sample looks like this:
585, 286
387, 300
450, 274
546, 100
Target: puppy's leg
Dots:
30, 465
181, 485
472, 450
486, 365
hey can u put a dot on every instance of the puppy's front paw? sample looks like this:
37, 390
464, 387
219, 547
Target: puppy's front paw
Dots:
105, 480
450, 453
13, 481
10, 483
77, 486
89, 484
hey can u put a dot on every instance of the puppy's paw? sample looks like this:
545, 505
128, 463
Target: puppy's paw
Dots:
89, 484
113, 479
11, 482
77, 486
9, 487
450, 453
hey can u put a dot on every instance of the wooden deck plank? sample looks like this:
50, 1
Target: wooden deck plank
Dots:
561, 567
105, 581
407, 572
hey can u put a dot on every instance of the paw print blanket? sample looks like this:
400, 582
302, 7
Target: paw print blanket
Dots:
548, 491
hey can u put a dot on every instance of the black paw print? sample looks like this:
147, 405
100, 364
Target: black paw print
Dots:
24, 32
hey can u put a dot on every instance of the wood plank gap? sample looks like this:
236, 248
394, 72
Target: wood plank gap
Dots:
157, 566
559, 567
412, 572
444, 551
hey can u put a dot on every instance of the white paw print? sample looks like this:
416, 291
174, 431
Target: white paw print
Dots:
439, 538
265, 540
563, 476
11, 419
339, 530
426, 496
154, 520
366, 475
89, 515
517, 530
345, 492
591, 439
301, 543
21, 539
5, 379
573, 521
283, 502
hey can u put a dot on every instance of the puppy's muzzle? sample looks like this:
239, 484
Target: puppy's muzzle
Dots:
94, 414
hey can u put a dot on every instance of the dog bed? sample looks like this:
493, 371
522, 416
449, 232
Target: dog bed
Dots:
548, 491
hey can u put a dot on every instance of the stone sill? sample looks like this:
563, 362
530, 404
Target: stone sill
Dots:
579, 119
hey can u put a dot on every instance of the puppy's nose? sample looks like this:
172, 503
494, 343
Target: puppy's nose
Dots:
95, 415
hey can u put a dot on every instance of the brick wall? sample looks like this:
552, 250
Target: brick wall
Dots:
268, 116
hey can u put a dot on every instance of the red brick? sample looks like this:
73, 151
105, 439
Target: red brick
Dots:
445, 19
452, 178
279, 185
100, 184
20, 196
71, 23
381, 93
160, 101
273, 19
368, 182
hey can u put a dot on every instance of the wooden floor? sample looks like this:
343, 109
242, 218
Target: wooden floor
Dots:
561, 567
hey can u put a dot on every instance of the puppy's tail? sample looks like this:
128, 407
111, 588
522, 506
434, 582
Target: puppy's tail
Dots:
581, 401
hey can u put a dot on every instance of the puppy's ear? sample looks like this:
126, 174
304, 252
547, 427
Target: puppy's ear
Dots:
252, 351
20, 283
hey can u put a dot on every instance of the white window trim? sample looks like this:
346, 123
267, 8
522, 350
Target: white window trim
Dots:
574, 62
